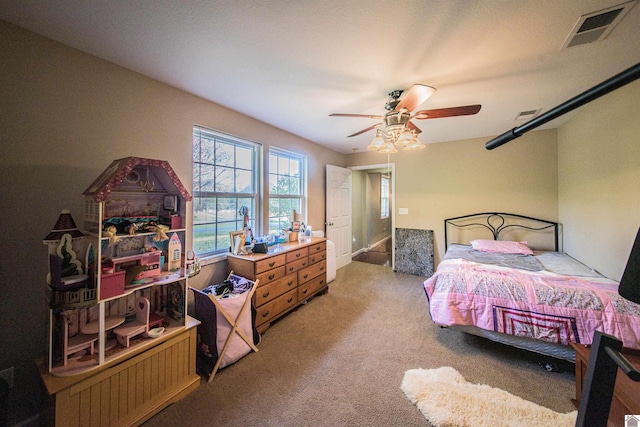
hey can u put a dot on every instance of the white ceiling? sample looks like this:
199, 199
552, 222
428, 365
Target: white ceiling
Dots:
291, 63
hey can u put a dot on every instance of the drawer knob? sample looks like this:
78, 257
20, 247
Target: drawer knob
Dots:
271, 264
290, 283
298, 255
271, 276
291, 268
266, 294
290, 299
265, 314
305, 276
322, 268
305, 291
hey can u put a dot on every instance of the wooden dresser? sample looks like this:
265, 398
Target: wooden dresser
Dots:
626, 393
289, 274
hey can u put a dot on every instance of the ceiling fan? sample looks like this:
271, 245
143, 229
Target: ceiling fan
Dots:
396, 128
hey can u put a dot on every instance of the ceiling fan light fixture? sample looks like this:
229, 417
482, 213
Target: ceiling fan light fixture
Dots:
388, 148
377, 142
415, 145
405, 138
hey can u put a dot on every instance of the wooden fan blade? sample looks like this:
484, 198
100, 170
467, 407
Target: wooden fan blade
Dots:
438, 113
365, 130
369, 116
414, 128
415, 96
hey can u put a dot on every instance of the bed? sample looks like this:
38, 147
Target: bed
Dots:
505, 278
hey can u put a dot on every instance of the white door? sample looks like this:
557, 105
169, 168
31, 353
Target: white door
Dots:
338, 199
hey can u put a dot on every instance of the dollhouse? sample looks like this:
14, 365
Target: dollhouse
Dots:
117, 296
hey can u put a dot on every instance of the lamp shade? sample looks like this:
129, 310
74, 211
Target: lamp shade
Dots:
388, 148
406, 137
415, 145
377, 142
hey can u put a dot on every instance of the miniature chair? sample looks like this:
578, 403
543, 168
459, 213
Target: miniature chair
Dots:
136, 327
76, 343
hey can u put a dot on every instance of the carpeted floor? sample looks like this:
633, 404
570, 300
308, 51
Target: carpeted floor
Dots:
340, 359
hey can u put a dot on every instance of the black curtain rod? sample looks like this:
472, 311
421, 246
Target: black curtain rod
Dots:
603, 88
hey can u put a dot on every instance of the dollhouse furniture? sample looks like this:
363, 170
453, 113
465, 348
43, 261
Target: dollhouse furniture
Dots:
110, 322
123, 230
140, 325
77, 342
226, 332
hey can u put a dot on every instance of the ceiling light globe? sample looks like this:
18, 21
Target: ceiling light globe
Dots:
415, 145
406, 138
376, 143
388, 148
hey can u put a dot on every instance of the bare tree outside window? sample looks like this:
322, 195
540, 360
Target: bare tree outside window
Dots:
225, 176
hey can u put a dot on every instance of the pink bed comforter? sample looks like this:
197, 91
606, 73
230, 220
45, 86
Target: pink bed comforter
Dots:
540, 305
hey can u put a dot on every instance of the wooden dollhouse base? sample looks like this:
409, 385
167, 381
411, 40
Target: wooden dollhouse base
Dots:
155, 367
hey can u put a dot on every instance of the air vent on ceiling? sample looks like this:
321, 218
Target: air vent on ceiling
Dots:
597, 25
526, 115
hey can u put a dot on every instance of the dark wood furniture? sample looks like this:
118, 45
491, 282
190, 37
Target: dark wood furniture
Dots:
626, 394
289, 274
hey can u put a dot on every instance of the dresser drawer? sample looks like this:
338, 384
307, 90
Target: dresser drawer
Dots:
269, 263
317, 257
272, 290
294, 266
268, 311
318, 247
271, 275
311, 287
311, 271
297, 255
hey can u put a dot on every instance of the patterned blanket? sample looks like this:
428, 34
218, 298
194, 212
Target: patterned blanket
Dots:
540, 305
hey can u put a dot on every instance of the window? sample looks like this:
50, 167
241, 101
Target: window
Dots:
384, 196
287, 188
225, 179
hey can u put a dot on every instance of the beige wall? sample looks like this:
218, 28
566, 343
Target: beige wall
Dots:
461, 177
65, 116
599, 180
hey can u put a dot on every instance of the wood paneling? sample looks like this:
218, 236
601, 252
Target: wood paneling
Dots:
130, 392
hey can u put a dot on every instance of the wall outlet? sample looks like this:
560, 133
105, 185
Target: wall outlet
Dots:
7, 375
403, 211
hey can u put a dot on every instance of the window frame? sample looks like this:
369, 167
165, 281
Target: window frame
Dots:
303, 179
385, 196
217, 248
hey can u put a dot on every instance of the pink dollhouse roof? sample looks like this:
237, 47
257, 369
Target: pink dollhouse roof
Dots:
119, 170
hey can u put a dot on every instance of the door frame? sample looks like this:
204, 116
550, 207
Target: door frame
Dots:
392, 167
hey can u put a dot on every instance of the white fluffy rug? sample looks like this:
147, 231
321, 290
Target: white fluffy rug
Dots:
445, 398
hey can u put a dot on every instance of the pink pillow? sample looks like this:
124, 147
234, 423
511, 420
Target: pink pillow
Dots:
502, 246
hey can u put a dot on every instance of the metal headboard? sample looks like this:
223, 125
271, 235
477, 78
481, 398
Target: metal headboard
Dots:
495, 223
